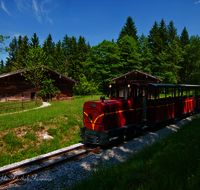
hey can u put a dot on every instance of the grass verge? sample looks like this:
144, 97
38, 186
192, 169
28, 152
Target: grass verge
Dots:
17, 106
21, 134
172, 163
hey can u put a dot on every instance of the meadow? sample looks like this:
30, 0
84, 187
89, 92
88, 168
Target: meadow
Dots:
21, 134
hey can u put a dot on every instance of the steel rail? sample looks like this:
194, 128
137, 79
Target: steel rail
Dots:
48, 167
14, 168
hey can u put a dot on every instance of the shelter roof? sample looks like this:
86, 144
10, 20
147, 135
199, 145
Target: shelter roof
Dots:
137, 76
50, 70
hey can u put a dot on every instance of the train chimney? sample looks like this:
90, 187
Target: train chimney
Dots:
102, 98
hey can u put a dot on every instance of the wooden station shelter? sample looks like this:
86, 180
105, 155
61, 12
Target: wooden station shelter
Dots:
13, 86
136, 76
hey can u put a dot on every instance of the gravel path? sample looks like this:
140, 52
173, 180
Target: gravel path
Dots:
45, 104
67, 174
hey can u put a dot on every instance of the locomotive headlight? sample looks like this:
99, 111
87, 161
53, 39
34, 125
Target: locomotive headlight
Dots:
110, 86
90, 116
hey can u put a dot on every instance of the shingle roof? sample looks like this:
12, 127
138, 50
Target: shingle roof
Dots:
22, 70
121, 76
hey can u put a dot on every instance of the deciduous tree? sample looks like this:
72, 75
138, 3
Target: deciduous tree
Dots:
35, 70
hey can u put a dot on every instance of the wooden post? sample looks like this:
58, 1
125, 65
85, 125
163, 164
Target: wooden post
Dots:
22, 102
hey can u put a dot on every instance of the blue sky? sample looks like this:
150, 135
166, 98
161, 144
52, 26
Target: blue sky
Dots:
95, 20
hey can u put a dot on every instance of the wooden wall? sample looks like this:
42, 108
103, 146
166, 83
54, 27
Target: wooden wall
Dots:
14, 87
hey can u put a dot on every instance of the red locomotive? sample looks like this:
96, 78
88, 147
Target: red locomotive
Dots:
132, 106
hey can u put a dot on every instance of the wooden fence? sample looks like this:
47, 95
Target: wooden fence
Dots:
15, 104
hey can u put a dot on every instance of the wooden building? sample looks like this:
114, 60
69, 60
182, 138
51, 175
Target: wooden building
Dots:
136, 76
13, 86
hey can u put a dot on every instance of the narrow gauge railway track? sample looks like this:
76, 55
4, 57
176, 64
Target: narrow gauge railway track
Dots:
68, 158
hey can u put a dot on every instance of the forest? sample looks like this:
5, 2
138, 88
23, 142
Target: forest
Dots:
163, 53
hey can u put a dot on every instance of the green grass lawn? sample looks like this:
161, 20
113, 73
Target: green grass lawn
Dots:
20, 134
172, 163
10, 107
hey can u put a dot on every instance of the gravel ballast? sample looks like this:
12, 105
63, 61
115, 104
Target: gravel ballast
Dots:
68, 174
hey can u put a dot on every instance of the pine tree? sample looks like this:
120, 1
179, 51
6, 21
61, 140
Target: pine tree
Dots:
49, 48
163, 36
1, 67
146, 56
23, 49
34, 41
184, 37
59, 58
128, 29
82, 53
72, 60
153, 39
172, 32
13, 51
192, 51
65, 45
2, 38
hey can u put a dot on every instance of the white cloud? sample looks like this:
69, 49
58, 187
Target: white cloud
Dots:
35, 8
4, 8
197, 2
37, 11
23, 6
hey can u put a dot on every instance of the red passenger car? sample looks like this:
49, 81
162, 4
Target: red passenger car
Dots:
131, 106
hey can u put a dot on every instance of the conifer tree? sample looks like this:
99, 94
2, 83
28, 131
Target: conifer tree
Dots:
172, 32
65, 45
184, 37
72, 60
153, 39
146, 56
23, 48
49, 48
82, 53
128, 29
1, 67
185, 42
2, 38
34, 41
13, 51
59, 58
163, 36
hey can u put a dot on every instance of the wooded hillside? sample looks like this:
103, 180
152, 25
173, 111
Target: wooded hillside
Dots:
164, 54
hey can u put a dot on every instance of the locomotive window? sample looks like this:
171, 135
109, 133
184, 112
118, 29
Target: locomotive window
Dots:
117, 91
151, 93
177, 91
192, 92
184, 91
129, 93
161, 92
169, 92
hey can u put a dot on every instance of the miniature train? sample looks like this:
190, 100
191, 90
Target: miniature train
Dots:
132, 106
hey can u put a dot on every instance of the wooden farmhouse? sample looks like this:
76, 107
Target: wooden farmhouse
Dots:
136, 76
13, 86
